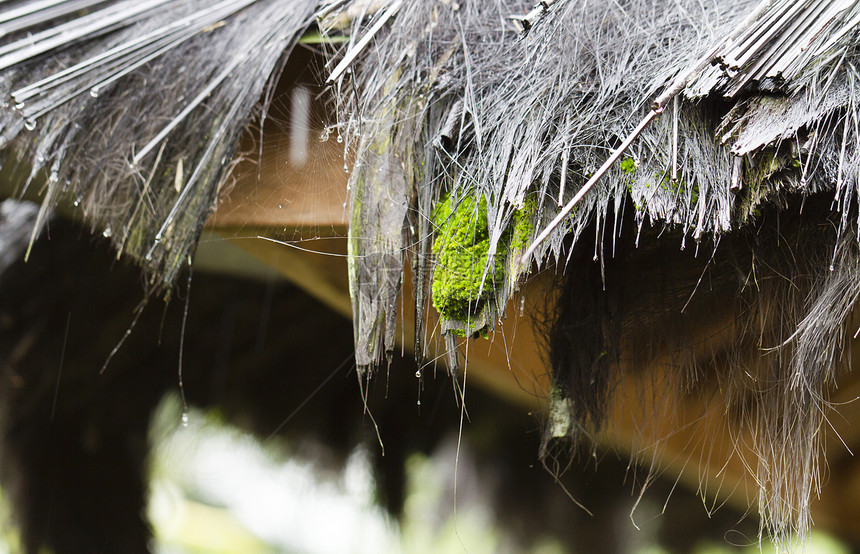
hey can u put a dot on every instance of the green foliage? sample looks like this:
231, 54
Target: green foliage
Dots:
628, 166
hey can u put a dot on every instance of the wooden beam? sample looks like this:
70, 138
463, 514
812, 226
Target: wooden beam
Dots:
277, 193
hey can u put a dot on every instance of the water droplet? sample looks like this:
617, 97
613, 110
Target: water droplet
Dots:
107, 232
339, 137
94, 92
419, 402
832, 268
30, 124
281, 206
185, 419
19, 106
324, 136
78, 201
418, 374
346, 168
522, 305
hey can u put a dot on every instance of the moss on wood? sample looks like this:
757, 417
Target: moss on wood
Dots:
461, 248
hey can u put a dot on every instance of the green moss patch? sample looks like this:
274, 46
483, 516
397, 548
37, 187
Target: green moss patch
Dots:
461, 249
523, 224
628, 166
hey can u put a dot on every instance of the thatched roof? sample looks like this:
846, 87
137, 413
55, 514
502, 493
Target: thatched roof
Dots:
464, 125
515, 117
473, 126
132, 111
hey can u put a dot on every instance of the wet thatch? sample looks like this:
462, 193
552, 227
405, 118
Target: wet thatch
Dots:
473, 126
132, 111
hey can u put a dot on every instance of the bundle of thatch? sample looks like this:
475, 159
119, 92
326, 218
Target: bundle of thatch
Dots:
473, 124
476, 125
132, 111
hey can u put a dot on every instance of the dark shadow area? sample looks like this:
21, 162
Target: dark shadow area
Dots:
271, 360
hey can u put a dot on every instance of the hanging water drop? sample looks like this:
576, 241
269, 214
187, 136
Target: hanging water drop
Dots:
339, 137
30, 124
185, 419
522, 305
78, 201
419, 402
346, 168
19, 106
418, 374
107, 232
832, 268
94, 92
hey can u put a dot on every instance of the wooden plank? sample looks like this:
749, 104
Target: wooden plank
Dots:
277, 193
